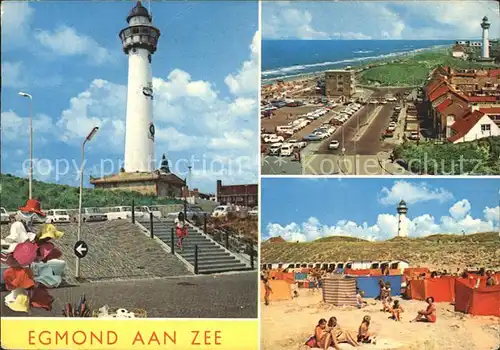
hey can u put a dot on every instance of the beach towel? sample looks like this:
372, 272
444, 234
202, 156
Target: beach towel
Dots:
311, 342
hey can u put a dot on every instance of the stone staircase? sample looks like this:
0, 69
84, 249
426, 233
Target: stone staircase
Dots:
212, 257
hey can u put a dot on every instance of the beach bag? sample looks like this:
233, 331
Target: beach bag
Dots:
311, 342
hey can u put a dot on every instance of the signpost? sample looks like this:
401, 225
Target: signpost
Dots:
81, 249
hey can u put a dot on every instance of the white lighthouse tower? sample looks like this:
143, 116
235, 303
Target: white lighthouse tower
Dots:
402, 219
139, 42
486, 43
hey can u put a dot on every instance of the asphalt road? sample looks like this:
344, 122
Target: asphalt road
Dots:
212, 296
371, 129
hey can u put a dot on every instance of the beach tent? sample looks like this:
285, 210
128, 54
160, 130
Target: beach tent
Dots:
339, 291
369, 284
441, 289
299, 276
363, 272
415, 271
282, 276
484, 300
282, 290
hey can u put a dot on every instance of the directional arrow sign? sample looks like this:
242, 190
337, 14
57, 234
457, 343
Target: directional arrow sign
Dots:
81, 249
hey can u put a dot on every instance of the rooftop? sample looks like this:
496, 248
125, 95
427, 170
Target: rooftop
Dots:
464, 125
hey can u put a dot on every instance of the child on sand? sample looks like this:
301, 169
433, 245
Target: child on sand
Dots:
396, 310
360, 303
427, 315
364, 335
386, 297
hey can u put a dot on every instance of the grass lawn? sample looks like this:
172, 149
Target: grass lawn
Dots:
412, 70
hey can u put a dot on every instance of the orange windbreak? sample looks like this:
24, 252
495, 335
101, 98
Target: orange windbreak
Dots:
483, 301
281, 290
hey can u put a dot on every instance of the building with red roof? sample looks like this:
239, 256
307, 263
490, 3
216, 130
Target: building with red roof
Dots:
492, 112
474, 126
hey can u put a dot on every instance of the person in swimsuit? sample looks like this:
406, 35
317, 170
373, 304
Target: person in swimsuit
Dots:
359, 299
180, 230
321, 336
267, 289
427, 315
338, 335
396, 310
364, 335
490, 279
386, 297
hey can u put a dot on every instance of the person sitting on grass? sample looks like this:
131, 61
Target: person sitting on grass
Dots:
396, 310
427, 315
364, 335
359, 299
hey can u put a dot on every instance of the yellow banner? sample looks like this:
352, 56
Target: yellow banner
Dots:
93, 333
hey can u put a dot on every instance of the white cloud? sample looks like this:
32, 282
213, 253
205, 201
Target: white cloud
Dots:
16, 20
247, 79
412, 193
291, 23
378, 20
12, 74
492, 214
15, 129
460, 209
386, 226
65, 41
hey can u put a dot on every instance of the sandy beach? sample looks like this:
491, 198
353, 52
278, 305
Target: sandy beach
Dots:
287, 324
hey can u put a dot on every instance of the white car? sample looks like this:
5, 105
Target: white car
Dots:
274, 139
392, 124
221, 211
4, 215
145, 211
334, 145
120, 212
298, 144
90, 214
286, 149
414, 135
391, 99
57, 216
373, 102
275, 148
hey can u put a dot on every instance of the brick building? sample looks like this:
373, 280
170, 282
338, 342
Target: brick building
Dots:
244, 195
340, 83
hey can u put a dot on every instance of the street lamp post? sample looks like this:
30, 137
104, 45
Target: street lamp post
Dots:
30, 176
88, 138
355, 146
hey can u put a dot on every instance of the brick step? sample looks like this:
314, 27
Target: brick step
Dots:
221, 269
204, 259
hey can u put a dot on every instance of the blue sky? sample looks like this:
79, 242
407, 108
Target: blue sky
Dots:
68, 56
415, 20
307, 209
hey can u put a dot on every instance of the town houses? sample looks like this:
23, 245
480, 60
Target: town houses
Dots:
463, 105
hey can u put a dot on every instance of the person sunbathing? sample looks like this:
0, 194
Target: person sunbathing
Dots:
427, 315
396, 310
364, 335
339, 335
321, 336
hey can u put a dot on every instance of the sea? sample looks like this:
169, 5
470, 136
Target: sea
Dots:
282, 59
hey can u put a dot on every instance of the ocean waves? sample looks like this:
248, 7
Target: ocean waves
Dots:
298, 70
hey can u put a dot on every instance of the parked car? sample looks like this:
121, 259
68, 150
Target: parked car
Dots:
57, 216
193, 212
120, 212
90, 214
334, 145
397, 108
298, 144
274, 139
388, 133
275, 148
286, 149
4, 216
145, 211
221, 211
414, 135
373, 102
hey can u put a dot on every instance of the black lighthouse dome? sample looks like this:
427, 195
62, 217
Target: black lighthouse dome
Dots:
137, 11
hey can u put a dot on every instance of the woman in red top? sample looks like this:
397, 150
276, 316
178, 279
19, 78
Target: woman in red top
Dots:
427, 315
180, 230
